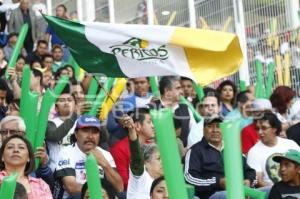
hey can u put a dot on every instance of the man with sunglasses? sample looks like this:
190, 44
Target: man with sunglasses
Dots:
260, 155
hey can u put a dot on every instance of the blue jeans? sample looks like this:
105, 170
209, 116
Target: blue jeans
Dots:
218, 195
222, 194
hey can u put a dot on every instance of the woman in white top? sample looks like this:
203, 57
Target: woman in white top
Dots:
283, 102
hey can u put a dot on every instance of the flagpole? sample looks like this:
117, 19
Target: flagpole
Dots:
192, 14
79, 10
150, 12
49, 7
111, 8
239, 22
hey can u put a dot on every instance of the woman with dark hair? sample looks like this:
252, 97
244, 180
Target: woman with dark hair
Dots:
70, 70
284, 104
16, 156
159, 189
227, 92
60, 72
108, 192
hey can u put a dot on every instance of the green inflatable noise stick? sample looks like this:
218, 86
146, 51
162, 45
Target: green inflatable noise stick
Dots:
270, 79
17, 49
254, 193
25, 100
32, 117
259, 80
154, 87
233, 159
243, 86
101, 96
196, 115
199, 91
8, 186
92, 90
75, 66
48, 100
93, 180
169, 153
28, 105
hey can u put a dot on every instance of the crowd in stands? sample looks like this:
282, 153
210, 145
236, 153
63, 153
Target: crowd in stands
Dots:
124, 144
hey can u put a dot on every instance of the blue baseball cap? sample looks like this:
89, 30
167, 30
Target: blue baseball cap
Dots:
87, 121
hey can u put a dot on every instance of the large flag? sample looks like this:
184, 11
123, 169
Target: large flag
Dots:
127, 50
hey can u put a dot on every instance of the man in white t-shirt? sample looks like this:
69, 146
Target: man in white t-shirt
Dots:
261, 153
70, 168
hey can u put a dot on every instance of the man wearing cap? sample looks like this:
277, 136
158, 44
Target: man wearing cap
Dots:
70, 168
211, 105
249, 135
260, 154
289, 186
204, 167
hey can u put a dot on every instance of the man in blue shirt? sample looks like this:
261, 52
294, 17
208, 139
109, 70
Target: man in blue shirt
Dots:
61, 12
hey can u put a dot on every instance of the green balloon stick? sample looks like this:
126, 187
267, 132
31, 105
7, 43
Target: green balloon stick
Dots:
233, 159
93, 88
75, 66
243, 86
191, 191
28, 107
25, 89
101, 96
17, 49
199, 91
196, 115
259, 80
8, 186
47, 102
154, 87
31, 117
169, 153
270, 79
254, 193
93, 180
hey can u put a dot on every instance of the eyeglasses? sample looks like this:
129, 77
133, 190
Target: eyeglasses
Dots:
263, 128
5, 132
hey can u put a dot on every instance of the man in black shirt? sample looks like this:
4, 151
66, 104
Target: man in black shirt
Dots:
204, 165
289, 186
292, 133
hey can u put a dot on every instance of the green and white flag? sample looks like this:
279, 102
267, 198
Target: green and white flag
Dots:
127, 50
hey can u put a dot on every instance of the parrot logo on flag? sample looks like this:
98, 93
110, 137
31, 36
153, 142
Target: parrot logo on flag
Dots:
136, 42
138, 49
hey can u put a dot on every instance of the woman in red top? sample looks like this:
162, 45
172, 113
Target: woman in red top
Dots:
16, 155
